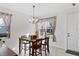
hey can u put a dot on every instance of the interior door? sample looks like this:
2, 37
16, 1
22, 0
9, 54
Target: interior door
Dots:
72, 32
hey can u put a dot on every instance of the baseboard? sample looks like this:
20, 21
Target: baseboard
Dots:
72, 52
59, 47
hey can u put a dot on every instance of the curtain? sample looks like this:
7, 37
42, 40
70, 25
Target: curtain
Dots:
7, 22
52, 22
47, 23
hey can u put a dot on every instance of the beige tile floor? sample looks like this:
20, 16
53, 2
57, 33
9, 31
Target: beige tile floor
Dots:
54, 51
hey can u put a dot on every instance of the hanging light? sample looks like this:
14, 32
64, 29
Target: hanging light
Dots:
34, 19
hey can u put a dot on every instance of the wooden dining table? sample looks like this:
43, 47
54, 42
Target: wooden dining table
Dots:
29, 40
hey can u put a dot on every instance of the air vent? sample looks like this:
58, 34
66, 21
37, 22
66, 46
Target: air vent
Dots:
73, 4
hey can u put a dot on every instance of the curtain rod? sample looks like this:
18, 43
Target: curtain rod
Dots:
47, 18
6, 13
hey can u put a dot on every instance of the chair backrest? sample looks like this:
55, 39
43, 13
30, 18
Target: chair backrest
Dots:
37, 44
47, 39
33, 37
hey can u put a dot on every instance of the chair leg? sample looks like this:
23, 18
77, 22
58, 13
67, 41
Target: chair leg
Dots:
48, 49
45, 50
30, 50
24, 48
41, 51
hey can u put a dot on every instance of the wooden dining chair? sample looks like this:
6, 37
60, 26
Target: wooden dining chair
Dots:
23, 45
35, 47
45, 45
20, 46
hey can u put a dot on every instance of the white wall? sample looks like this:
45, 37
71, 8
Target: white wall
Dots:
61, 31
61, 27
19, 26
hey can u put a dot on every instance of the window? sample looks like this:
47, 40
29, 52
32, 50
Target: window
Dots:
5, 21
46, 26
1, 22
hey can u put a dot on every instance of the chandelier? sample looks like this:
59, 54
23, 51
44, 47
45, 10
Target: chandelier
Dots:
34, 19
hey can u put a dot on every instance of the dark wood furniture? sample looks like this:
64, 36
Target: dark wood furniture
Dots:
23, 45
24, 38
20, 45
5, 51
32, 45
35, 47
45, 45
32, 48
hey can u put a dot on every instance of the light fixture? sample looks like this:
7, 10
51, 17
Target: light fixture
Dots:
34, 19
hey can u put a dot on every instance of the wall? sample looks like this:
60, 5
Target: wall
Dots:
61, 31
61, 27
19, 26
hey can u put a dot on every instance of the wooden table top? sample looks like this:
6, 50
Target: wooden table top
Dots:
5, 51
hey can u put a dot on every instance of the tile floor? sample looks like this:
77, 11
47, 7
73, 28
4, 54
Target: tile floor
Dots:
54, 51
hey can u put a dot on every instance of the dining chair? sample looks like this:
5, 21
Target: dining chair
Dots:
23, 45
45, 45
20, 46
35, 47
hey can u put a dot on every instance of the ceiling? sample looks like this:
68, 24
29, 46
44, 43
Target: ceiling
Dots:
41, 9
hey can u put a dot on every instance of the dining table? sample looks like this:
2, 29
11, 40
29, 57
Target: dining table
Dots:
28, 40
